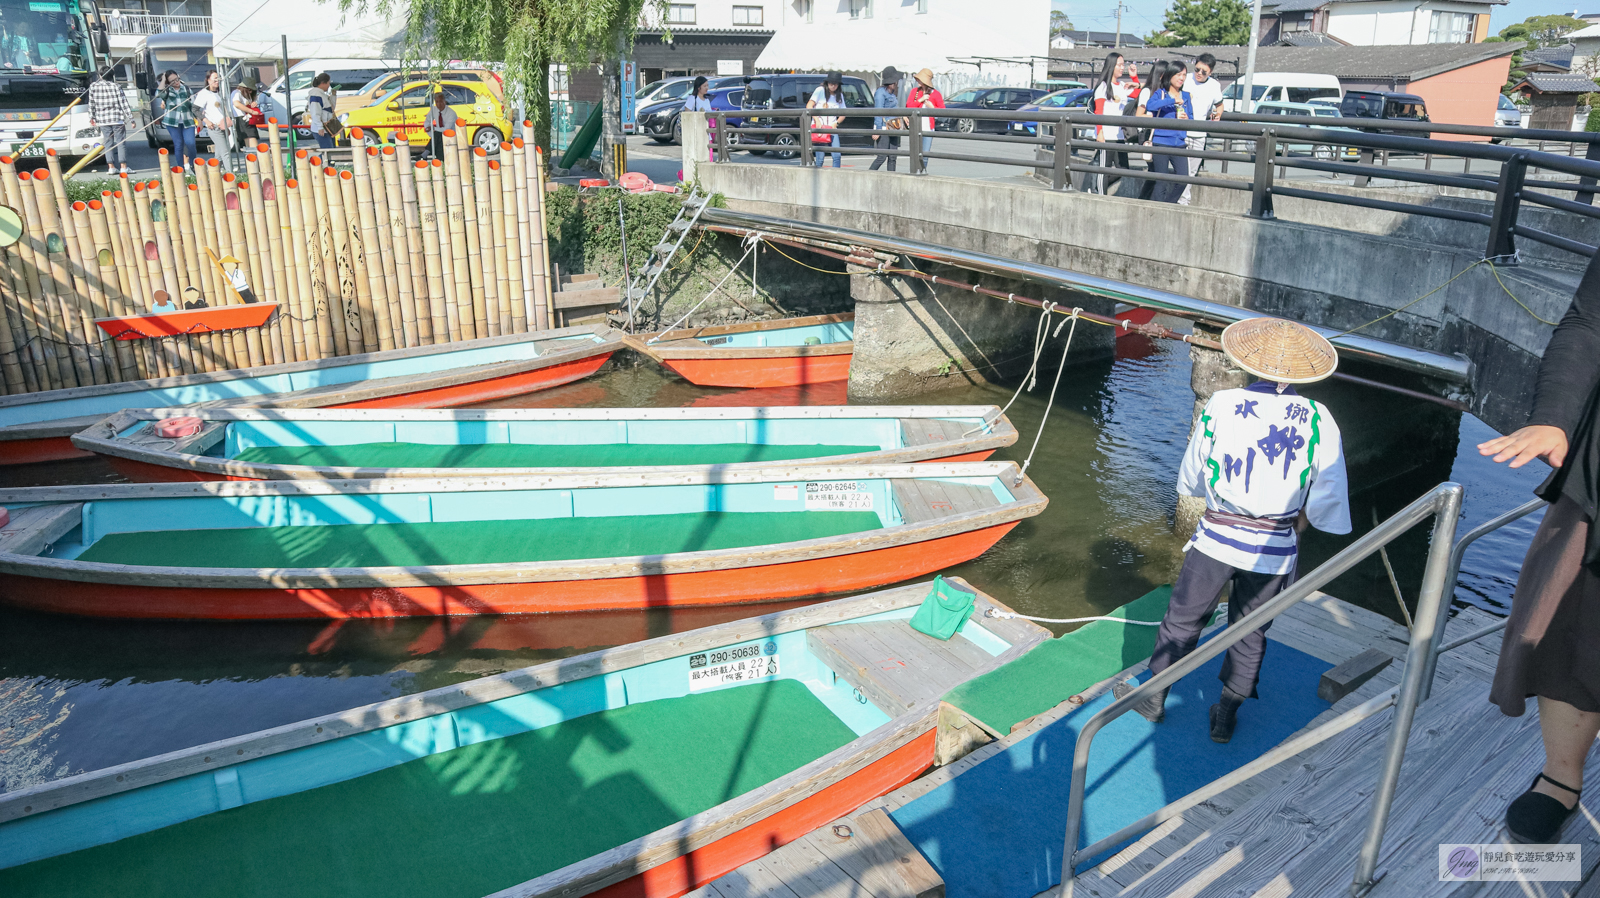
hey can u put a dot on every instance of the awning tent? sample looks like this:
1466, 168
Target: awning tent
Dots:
248, 29
962, 53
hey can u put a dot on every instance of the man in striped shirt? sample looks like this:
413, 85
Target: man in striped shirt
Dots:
1268, 462
108, 110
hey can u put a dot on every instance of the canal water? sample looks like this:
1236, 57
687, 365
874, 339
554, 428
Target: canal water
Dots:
78, 695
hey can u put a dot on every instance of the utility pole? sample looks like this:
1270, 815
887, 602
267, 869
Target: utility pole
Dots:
1246, 93
1120, 7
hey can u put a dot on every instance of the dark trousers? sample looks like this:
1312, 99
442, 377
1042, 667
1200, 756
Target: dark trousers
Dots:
1168, 191
437, 144
1195, 597
1106, 159
885, 142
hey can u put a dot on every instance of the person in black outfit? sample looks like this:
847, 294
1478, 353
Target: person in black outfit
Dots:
1551, 648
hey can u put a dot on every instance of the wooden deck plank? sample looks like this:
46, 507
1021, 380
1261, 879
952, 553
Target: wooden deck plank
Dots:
753, 880
914, 507
887, 665
811, 873
958, 650
33, 529
967, 497
925, 431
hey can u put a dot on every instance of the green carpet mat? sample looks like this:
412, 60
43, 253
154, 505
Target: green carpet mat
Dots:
472, 542
516, 455
468, 822
1060, 668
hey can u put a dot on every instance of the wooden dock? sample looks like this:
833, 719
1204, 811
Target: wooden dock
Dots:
1294, 830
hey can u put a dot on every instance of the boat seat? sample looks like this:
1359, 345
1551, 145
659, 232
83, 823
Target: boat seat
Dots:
924, 500
894, 666
924, 431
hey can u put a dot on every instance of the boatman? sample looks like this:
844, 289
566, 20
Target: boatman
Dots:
1268, 462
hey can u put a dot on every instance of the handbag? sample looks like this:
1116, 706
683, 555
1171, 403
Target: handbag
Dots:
824, 121
944, 610
1135, 136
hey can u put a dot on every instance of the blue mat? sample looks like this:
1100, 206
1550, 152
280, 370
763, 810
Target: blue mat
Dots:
995, 831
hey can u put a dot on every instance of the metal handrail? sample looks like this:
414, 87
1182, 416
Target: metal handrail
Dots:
1443, 504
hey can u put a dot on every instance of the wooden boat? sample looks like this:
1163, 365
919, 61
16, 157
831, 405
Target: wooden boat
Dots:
498, 545
342, 444
36, 427
644, 770
187, 321
782, 352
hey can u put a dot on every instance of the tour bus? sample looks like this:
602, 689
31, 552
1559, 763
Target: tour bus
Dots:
48, 50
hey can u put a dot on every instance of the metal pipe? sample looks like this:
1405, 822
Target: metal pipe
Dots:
1457, 553
1473, 637
1453, 369
1445, 496
1430, 611
1266, 762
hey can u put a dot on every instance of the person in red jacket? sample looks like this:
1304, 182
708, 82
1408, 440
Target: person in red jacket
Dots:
925, 96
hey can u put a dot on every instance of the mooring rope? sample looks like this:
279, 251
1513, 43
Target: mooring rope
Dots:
750, 242
1050, 403
1041, 335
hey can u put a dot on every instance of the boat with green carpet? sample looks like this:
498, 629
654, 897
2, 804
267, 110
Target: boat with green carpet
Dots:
343, 444
644, 770
498, 545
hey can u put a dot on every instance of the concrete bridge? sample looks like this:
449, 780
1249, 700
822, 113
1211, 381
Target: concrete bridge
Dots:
1399, 277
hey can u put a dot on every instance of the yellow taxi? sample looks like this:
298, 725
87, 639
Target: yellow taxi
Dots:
480, 115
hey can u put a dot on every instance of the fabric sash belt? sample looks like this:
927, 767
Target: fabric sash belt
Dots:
1269, 525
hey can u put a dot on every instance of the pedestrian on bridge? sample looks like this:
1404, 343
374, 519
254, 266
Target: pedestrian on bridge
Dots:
887, 96
1168, 101
108, 111
1205, 101
1269, 463
1110, 96
830, 95
925, 96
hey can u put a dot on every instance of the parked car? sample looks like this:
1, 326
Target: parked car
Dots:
1377, 104
662, 122
792, 92
677, 89
1071, 98
987, 98
1320, 111
348, 77
1506, 115
1281, 87
384, 84
480, 116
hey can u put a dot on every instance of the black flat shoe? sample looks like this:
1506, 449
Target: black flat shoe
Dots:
1224, 716
1535, 818
1153, 709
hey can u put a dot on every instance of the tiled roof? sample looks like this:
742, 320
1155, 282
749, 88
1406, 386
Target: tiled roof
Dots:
1560, 84
1308, 39
1292, 5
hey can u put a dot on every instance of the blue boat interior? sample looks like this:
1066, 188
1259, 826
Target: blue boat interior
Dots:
226, 387
811, 334
750, 664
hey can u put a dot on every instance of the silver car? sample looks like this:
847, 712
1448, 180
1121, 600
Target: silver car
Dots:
1506, 114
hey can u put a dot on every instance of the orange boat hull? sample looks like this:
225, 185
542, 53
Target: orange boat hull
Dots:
763, 372
45, 449
704, 864
795, 579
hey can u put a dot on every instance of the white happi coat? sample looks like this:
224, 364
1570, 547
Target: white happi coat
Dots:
1259, 453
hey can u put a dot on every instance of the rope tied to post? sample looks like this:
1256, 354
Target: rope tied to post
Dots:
1051, 401
750, 242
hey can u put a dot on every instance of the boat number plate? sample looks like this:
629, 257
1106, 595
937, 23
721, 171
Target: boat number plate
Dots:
738, 664
838, 495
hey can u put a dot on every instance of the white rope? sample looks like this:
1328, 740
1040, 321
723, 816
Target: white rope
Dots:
1041, 336
751, 242
1050, 403
1008, 615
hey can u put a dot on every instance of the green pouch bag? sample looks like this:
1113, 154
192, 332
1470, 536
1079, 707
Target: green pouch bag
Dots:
944, 610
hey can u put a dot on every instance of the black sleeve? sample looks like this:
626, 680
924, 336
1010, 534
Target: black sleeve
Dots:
1571, 366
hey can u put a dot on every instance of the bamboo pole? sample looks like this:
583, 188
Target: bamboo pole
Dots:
72, 356
396, 246
12, 366
519, 176
342, 185
269, 257
498, 181
293, 333
349, 296
54, 209
368, 262
247, 226
455, 220
402, 315
487, 263
464, 250
477, 247
9, 188
92, 221
313, 301
433, 271
125, 274
141, 245
246, 340
139, 289
422, 290
218, 352
155, 222
441, 217
131, 276
42, 332
506, 216
106, 228
275, 143
327, 259
544, 275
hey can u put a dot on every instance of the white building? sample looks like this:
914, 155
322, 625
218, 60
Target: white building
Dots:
1390, 22
966, 43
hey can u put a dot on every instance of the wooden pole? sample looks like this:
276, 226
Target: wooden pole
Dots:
72, 363
218, 351
544, 275
246, 339
349, 298
325, 259
520, 167
343, 184
497, 230
370, 282
402, 314
264, 212
54, 209
313, 300
482, 215
130, 361
432, 268
408, 238
293, 332
155, 220
41, 331
463, 254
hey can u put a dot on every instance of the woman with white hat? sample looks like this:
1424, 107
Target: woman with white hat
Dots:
924, 96
1268, 462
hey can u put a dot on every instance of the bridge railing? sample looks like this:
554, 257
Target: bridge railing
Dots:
1557, 170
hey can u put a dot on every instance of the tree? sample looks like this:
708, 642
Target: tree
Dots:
1204, 23
1059, 23
1543, 31
527, 35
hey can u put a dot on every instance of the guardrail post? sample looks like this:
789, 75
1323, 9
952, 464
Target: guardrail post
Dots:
914, 147
1366, 159
1060, 178
1261, 191
722, 137
1593, 155
805, 138
1507, 202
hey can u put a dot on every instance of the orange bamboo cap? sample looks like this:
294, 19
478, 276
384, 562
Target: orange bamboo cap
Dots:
527, 123
117, 194
330, 171
227, 177
480, 152
273, 120
292, 183
96, 205
438, 163
1279, 350
194, 187
299, 154
177, 169
372, 151
517, 142
42, 174
22, 176
214, 163
105, 193
262, 147
249, 157
449, 132
388, 151
315, 160
49, 152
79, 206
355, 133
344, 175
122, 175
494, 165
154, 183
7, 160
163, 152
138, 186
421, 164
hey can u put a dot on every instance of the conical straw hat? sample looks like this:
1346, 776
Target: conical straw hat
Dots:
1280, 351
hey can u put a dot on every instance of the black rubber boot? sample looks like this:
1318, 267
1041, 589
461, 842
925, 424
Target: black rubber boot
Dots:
1224, 715
1153, 709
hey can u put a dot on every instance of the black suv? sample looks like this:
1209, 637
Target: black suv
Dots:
792, 92
1385, 105
993, 98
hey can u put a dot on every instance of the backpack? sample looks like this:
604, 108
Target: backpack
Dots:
1134, 135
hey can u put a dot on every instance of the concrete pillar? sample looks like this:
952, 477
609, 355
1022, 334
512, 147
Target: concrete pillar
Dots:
1212, 372
694, 143
914, 337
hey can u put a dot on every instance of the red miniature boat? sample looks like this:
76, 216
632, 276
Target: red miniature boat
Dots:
188, 321
783, 352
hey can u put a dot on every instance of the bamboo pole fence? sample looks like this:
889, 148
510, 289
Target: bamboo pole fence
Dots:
389, 253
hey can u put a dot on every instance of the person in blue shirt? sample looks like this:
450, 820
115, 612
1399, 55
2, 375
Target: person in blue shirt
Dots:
887, 96
1169, 101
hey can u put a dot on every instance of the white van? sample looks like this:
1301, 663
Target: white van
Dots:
348, 75
1282, 87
